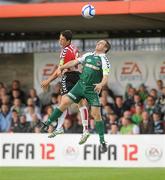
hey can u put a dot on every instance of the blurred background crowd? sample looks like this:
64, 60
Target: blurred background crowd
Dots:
139, 111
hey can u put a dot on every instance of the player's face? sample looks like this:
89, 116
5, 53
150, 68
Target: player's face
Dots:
101, 46
62, 41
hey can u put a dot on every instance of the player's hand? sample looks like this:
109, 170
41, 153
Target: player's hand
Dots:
58, 71
98, 87
45, 85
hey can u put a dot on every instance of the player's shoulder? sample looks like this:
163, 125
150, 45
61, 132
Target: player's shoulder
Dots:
103, 56
88, 54
70, 48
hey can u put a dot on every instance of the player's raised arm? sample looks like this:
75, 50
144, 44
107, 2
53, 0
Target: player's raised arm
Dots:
106, 70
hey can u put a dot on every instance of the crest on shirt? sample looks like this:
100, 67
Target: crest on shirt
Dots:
89, 60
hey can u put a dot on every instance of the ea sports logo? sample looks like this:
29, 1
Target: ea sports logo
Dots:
154, 153
131, 72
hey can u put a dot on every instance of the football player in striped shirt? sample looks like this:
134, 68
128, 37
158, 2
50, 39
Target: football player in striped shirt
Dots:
69, 78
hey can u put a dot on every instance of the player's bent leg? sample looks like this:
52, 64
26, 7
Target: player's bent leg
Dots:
59, 129
65, 103
99, 123
59, 110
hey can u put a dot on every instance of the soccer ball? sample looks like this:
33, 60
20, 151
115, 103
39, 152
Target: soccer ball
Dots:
88, 11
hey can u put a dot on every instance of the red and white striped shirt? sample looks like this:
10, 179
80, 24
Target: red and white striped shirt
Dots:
67, 54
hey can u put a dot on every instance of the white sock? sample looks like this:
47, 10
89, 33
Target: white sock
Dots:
84, 117
61, 120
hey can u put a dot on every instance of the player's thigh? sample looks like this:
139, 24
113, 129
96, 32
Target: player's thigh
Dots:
92, 97
76, 93
95, 112
83, 102
65, 102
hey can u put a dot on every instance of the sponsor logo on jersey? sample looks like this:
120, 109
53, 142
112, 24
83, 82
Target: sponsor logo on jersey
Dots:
92, 66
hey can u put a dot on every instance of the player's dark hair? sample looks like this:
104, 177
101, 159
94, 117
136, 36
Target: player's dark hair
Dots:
108, 45
67, 34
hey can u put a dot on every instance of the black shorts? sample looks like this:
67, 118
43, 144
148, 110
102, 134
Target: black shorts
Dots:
68, 80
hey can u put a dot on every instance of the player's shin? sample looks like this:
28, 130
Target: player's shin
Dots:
61, 120
54, 116
84, 117
100, 129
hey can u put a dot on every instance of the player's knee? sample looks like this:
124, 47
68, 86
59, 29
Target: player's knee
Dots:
66, 101
95, 115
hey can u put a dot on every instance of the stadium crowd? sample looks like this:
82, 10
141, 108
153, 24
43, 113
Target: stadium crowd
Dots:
138, 111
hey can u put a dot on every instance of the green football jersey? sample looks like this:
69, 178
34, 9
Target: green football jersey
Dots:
95, 66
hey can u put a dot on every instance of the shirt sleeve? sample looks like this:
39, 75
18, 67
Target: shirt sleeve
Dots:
105, 65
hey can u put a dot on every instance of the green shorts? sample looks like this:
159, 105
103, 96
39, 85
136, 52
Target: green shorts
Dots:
81, 91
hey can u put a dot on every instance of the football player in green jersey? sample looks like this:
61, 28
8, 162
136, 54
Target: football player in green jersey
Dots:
94, 76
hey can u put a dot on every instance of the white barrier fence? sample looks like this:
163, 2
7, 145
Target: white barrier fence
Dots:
123, 151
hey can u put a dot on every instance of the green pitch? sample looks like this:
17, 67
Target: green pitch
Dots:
46, 173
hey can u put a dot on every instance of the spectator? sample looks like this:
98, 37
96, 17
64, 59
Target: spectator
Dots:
68, 125
30, 102
127, 89
153, 92
137, 116
24, 126
108, 94
5, 118
114, 129
2, 85
127, 114
161, 103
128, 127
33, 95
150, 105
37, 129
14, 122
16, 87
142, 91
112, 119
34, 123
159, 84
55, 99
5, 100
119, 107
49, 110
146, 125
158, 123
17, 106
129, 101
16, 94
136, 101
50, 129
3, 92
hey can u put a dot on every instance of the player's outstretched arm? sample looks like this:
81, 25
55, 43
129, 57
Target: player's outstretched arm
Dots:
69, 64
45, 83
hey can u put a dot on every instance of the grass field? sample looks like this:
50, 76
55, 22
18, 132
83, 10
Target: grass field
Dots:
29, 173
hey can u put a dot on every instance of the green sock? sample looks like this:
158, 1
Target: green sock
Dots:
100, 130
54, 116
